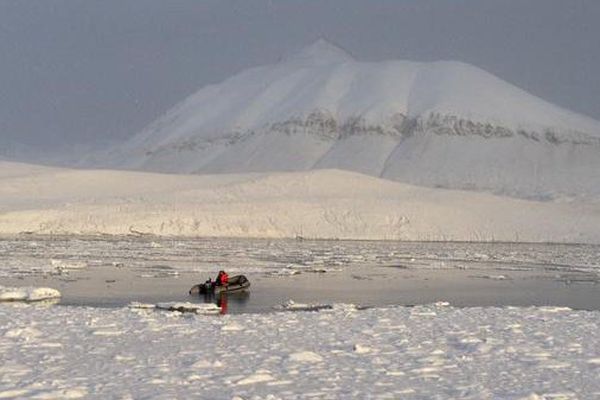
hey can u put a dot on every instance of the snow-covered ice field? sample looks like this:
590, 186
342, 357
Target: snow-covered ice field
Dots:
424, 352
420, 351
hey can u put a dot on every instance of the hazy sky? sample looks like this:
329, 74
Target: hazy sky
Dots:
91, 71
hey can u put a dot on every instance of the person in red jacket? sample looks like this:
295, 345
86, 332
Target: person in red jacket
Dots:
222, 279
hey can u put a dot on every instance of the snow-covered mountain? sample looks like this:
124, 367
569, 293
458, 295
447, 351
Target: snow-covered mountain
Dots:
439, 124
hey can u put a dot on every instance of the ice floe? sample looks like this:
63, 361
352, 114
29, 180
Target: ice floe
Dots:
181, 307
187, 307
27, 293
62, 265
291, 305
142, 306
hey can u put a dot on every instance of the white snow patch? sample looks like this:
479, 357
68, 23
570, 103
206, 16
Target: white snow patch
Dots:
204, 363
362, 349
124, 358
549, 309
259, 377
13, 394
232, 327
26, 333
102, 332
305, 357
71, 393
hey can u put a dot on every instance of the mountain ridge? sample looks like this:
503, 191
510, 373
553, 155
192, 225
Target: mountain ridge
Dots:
321, 108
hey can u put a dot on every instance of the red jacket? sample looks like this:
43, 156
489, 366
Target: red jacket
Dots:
224, 279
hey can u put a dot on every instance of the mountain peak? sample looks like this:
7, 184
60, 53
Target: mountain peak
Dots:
320, 51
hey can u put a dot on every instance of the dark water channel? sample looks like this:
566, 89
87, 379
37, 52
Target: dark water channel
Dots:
359, 284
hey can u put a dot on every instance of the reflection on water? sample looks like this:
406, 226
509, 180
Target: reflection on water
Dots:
223, 300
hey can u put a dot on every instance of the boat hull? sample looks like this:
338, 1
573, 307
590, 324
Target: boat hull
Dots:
238, 283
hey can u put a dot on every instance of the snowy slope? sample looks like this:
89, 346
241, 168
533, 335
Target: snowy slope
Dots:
313, 204
443, 124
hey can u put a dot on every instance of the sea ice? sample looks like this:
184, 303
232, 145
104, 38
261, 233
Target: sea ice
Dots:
183, 307
291, 305
27, 293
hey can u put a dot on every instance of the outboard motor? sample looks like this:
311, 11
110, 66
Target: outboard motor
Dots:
207, 287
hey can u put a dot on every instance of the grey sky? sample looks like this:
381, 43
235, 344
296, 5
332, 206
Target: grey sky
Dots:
94, 71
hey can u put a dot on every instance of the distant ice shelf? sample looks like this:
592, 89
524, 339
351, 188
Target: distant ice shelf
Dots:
321, 204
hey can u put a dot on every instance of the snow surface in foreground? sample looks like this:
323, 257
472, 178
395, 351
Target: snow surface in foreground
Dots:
315, 204
422, 352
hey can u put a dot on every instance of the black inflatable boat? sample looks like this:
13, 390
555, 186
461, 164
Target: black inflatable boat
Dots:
238, 283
